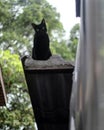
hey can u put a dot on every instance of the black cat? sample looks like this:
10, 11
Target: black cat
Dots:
41, 50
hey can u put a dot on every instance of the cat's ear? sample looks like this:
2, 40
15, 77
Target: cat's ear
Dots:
33, 25
43, 21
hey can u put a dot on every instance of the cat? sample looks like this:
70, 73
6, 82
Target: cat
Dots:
41, 50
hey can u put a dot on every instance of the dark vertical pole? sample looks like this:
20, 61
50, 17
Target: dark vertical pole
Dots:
78, 8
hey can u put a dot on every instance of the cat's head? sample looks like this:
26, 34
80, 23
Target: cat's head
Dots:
40, 27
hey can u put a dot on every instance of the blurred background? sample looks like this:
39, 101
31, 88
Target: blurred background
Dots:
16, 40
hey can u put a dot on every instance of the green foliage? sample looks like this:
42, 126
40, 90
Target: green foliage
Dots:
61, 49
73, 41
17, 33
15, 23
67, 51
18, 112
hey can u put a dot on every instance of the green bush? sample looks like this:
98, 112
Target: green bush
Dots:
18, 112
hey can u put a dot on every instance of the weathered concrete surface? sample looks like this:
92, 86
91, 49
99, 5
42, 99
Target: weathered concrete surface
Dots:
53, 62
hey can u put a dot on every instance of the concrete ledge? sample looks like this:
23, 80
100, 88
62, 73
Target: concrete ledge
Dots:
55, 62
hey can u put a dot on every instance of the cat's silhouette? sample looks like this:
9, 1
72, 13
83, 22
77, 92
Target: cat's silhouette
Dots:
41, 50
